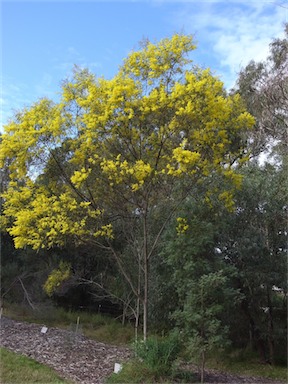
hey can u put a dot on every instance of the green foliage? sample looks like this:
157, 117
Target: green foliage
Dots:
202, 281
18, 369
23, 272
254, 241
158, 354
156, 362
199, 320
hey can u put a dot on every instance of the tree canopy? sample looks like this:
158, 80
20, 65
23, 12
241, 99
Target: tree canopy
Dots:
98, 165
264, 87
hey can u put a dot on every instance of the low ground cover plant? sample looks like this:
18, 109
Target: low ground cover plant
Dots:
28, 370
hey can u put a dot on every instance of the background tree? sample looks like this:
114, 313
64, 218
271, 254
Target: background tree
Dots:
264, 87
199, 318
254, 241
201, 281
262, 218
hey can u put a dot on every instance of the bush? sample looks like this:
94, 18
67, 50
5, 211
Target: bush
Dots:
158, 354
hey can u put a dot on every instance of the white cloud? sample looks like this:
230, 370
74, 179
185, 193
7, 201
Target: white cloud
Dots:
72, 51
70, 57
21, 95
203, 1
43, 86
11, 94
247, 36
236, 32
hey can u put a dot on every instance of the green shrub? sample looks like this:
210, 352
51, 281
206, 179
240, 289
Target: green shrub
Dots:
158, 354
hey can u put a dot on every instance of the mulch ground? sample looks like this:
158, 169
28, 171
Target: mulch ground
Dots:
80, 359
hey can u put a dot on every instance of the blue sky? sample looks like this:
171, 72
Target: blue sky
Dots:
42, 40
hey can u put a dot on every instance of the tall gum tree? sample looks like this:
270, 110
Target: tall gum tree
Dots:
264, 87
96, 166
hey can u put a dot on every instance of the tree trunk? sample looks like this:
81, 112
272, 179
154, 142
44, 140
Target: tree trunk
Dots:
202, 366
202, 335
138, 301
145, 298
270, 306
146, 273
270, 328
137, 319
124, 311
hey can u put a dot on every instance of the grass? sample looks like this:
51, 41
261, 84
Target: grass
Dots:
245, 362
93, 325
136, 372
132, 372
20, 369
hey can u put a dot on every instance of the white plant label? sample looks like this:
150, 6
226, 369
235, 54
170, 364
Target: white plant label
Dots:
117, 367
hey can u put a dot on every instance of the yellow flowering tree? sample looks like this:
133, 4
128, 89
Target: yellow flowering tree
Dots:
100, 162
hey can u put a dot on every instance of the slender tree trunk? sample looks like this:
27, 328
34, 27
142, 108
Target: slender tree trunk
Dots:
124, 312
270, 328
146, 275
137, 318
270, 306
123, 315
202, 366
138, 301
202, 336
145, 303
145, 298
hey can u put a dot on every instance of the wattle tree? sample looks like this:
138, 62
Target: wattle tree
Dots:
98, 165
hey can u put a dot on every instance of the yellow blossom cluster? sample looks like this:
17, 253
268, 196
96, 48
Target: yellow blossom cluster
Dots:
80, 176
42, 220
154, 60
185, 161
57, 277
157, 119
182, 225
227, 198
119, 171
105, 231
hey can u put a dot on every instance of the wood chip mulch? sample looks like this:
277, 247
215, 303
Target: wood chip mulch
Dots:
76, 358
82, 360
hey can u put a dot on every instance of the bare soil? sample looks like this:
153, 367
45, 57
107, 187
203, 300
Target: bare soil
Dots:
82, 360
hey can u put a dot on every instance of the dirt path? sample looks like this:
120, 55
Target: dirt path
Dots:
79, 359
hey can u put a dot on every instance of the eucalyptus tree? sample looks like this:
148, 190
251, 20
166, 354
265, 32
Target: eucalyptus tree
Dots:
264, 87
